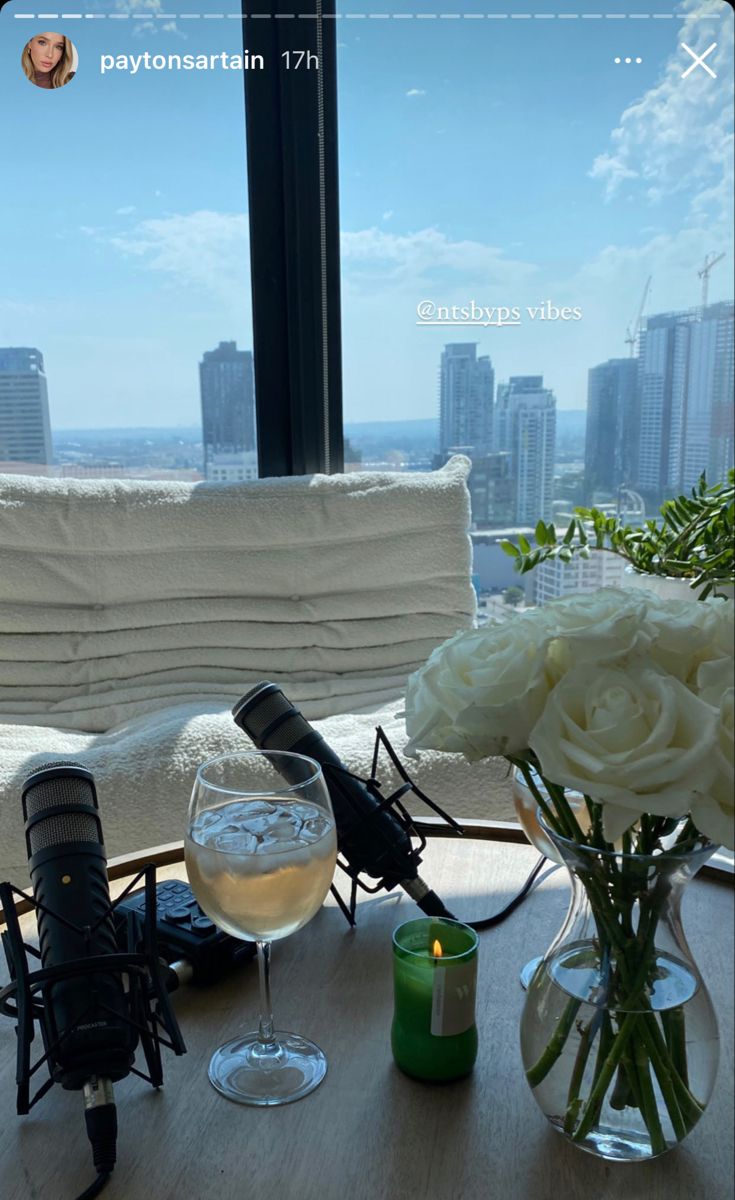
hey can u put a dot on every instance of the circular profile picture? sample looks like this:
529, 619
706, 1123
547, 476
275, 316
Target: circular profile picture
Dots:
49, 60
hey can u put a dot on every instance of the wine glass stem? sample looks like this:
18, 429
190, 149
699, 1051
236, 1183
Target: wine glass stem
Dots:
265, 1026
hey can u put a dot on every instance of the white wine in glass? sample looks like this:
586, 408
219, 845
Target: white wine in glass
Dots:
261, 848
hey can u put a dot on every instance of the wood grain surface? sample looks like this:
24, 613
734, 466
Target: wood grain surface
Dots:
370, 1133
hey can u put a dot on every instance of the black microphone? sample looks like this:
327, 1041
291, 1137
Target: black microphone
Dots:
89, 1041
370, 837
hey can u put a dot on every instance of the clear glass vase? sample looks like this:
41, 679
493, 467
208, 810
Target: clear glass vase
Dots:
618, 1033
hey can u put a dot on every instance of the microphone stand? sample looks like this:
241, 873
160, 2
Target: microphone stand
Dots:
149, 1006
415, 886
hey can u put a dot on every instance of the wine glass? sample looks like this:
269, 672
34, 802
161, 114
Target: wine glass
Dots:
261, 848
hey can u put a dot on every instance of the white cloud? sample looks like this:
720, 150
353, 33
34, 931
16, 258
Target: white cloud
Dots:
388, 214
125, 211
416, 92
210, 251
11, 308
138, 6
150, 8
206, 251
204, 257
678, 136
427, 258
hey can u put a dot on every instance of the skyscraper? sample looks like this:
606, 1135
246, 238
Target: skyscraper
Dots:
228, 412
466, 387
686, 390
525, 426
705, 442
25, 430
491, 487
613, 427
663, 353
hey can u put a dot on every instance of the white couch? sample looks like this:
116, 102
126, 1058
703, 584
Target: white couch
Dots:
133, 615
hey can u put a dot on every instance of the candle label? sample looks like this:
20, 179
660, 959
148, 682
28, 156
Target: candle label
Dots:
453, 999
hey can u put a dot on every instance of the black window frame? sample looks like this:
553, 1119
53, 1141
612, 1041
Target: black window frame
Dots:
292, 169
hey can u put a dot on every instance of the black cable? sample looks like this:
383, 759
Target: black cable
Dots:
95, 1188
488, 922
101, 1122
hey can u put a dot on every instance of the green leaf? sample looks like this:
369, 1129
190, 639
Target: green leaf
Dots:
524, 544
693, 537
510, 548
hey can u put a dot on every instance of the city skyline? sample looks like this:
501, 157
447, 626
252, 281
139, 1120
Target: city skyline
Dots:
464, 179
624, 398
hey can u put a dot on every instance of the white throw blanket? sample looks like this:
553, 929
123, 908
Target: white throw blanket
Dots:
144, 772
133, 615
119, 599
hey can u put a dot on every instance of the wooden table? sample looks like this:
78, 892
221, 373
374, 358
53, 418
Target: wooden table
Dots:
370, 1133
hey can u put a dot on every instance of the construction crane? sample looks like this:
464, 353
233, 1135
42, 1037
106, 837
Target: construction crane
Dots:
631, 333
710, 260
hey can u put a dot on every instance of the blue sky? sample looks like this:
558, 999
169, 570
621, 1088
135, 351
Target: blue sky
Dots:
506, 161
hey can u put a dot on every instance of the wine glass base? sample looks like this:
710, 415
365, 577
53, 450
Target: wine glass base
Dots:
527, 973
249, 1072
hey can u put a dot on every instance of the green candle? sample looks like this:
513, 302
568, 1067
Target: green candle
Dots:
434, 974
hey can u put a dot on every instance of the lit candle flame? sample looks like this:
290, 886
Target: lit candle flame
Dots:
436, 949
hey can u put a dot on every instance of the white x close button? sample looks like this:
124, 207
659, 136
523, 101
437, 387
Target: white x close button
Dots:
699, 60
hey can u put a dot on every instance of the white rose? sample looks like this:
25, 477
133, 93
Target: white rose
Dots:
481, 692
712, 671
714, 813
683, 634
714, 679
601, 626
637, 740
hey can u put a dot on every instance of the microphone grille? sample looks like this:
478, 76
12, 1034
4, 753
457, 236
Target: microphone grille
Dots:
287, 735
255, 715
59, 791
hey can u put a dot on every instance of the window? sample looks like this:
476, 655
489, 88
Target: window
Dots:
537, 248
125, 285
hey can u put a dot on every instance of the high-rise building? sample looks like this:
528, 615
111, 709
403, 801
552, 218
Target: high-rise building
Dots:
686, 391
25, 430
466, 388
554, 578
491, 487
663, 354
228, 411
613, 427
502, 419
525, 427
232, 468
702, 438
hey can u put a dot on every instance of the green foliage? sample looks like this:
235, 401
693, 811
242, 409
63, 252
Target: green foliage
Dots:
513, 596
693, 540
